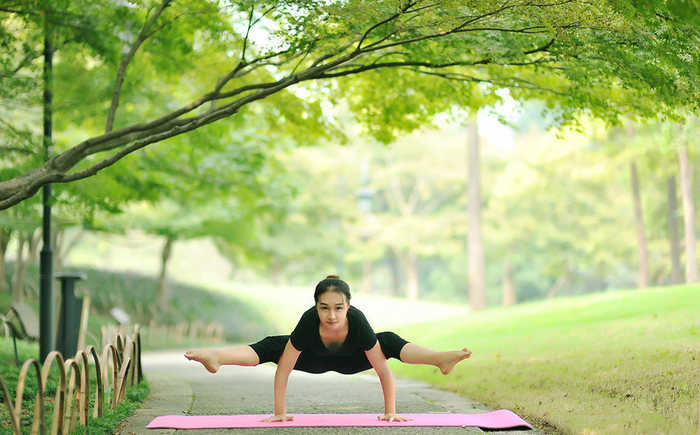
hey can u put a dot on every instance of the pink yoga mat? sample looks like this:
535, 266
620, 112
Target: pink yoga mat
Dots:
502, 419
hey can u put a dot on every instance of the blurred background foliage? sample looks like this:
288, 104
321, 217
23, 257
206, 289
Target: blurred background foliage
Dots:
365, 174
558, 210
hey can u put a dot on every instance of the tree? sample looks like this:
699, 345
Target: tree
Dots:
477, 271
600, 56
149, 32
20, 224
420, 206
673, 240
553, 215
207, 198
691, 262
300, 233
654, 150
5, 234
643, 274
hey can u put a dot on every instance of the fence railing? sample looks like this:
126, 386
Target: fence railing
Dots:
116, 367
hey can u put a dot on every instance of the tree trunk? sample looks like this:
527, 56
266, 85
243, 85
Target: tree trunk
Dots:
395, 273
674, 242
563, 280
509, 297
58, 237
63, 244
18, 274
555, 288
31, 241
643, 278
276, 271
163, 296
4, 241
68, 247
409, 266
691, 261
34, 240
367, 283
477, 272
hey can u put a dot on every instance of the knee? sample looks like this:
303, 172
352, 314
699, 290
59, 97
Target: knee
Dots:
391, 344
383, 336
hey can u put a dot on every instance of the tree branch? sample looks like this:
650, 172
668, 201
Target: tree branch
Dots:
381, 23
462, 28
15, 11
121, 72
503, 82
21, 150
24, 62
54, 170
247, 33
254, 64
398, 64
337, 52
544, 47
335, 64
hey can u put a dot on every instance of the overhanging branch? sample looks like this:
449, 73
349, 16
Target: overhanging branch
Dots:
345, 60
145, 33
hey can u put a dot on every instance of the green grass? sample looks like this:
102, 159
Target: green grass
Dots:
617, 362
9, 372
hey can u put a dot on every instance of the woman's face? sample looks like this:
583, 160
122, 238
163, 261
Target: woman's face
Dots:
332, 309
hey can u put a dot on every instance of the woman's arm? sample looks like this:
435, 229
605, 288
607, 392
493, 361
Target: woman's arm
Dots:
284, 368
386, 378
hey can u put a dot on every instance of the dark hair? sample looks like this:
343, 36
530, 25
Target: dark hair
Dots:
332, 283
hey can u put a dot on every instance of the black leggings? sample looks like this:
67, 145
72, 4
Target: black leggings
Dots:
270, 349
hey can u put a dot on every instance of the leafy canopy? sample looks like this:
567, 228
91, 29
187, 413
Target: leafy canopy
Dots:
394, 63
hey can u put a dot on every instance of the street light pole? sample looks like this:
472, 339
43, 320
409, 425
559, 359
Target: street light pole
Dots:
46, 334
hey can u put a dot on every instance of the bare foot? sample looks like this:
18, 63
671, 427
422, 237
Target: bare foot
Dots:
207, 357
450, 359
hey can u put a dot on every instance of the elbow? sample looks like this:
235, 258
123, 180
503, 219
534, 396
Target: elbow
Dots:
383, 372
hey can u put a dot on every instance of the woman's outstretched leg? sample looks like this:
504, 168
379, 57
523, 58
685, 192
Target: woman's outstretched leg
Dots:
413, 354
212, 359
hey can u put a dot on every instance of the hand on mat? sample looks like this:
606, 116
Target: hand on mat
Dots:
283, 417
392, 417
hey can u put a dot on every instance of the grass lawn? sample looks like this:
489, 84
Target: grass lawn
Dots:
611, 363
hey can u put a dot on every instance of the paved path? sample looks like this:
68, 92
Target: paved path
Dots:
179, 386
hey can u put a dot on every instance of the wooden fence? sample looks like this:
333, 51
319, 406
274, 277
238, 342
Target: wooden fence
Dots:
116, 367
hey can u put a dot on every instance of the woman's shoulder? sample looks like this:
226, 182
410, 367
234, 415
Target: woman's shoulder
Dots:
356, 313
362, 330
310, 313
307, 321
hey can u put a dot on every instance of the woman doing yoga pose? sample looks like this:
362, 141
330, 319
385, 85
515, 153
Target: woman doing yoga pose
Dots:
332, 335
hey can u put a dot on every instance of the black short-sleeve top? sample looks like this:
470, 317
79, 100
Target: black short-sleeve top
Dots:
306, 336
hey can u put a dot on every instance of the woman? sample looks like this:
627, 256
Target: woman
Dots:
332, 335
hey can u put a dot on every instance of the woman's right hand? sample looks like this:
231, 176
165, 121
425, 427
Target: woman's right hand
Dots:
281, 417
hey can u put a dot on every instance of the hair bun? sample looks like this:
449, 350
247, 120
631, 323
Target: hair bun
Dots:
333, 277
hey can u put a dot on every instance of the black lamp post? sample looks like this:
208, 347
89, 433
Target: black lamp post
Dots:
46, 334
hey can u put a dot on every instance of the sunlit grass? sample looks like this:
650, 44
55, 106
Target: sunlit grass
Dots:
618, 362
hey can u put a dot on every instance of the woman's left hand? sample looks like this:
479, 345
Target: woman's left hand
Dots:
392, 417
